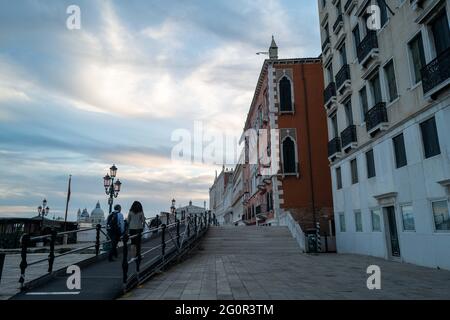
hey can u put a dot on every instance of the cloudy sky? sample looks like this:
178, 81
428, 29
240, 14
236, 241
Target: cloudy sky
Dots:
115, 91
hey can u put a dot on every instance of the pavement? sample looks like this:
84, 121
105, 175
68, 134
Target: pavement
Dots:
233, 265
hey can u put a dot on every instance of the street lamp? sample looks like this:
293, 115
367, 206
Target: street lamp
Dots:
43, 211
111, 188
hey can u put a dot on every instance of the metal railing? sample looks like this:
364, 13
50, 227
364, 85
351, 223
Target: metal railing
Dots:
367, 44
27, 241
338, 21
334, 146
329, 92
436, 72
348, 136
376, 116
342, 76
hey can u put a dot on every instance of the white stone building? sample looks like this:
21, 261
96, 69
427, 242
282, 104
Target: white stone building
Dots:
387, 99
97, 216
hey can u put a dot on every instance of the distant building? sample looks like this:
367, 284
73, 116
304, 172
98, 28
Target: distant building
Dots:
189, 209
221, 197
97, 216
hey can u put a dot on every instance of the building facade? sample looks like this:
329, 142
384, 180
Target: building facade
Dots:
284, 167
387, 101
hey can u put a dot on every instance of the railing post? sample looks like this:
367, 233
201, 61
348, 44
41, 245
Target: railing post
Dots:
195, 224
97, 239
23, 264
2, 262
125, 260
51, 255
163, 240
138, 252
188, 219
178, 233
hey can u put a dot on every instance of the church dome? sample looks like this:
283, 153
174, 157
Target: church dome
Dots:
97, 213
84, 214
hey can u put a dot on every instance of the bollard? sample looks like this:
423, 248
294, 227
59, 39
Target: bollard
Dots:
23, 264
163, 240
97, 239
51, 256
125, 259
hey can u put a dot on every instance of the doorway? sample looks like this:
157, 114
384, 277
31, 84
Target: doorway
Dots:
392, 232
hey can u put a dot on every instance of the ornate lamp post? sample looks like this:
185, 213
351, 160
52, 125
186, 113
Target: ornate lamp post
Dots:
111, 188
43, 211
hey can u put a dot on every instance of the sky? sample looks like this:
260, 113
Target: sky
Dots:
119, 88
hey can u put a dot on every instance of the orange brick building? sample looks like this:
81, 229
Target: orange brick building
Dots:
289, 99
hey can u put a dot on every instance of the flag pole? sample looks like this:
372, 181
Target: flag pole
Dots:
67, 203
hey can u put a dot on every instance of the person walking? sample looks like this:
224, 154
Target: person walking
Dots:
136, 224
115, 227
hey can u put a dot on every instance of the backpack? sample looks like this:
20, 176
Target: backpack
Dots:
112, 223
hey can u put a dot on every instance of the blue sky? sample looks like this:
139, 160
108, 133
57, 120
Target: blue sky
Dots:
76, 101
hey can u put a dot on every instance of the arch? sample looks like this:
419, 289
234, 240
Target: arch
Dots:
285, 88
289, 156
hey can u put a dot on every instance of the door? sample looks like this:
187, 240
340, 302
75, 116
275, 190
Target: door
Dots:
393, 232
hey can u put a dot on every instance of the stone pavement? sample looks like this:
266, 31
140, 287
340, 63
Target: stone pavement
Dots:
262, 275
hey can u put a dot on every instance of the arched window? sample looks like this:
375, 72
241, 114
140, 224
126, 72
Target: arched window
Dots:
285, 95
289, 165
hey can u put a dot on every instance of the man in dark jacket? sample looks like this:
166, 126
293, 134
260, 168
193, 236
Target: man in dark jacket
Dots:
115, 226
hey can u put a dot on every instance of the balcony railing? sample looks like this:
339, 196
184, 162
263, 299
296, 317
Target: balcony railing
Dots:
338, 21
376, 116
334, 146
348, 136
329, 92
325, 43
348, 4
436, 72
342, 76
369, 43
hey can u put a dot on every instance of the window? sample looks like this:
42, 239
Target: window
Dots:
343, 54
441, 216
399, 151
289, 163
391, 82
334, 125
330, 73
364, 103
285, 95
441, 32
338, 8
348, 111
430, 138
342, 222
356, 37
370, 164
358, 221
338, 178
383, 12
376, 220
354, 171
417, 56
376, 88
269, 201
408, 218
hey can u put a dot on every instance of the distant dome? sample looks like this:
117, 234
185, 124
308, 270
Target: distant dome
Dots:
98, 212
85, 214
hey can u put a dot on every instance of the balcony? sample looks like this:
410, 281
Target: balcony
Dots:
349, 138
334, 149
349, 5
376, 118
368, 48
326, 45
338, 24
343, 78
436, 74
329, 95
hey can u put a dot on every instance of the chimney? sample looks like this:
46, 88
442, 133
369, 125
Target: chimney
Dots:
273, 50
